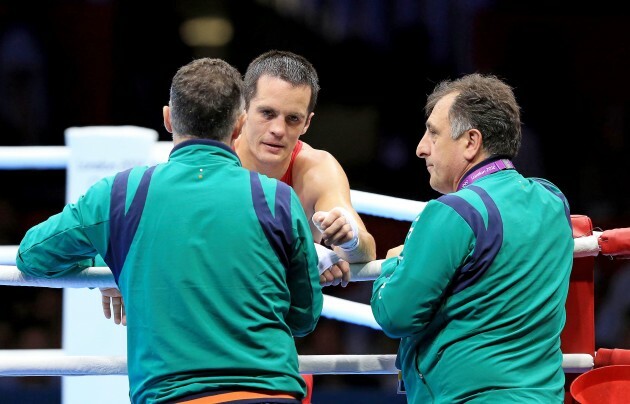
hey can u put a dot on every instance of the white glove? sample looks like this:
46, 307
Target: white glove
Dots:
325, 257
348, 245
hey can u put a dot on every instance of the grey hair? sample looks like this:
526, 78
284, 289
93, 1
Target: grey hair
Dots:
485, 103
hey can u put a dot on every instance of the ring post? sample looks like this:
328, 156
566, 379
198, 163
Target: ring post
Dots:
97, 152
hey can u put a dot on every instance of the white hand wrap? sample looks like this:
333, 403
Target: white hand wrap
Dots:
354, 242
325, 257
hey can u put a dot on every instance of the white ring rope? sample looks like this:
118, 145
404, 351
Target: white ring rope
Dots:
55, 363
34, 157
7, 254
54, 157
386, 206
93, 277
349, 311
101, 277
587, 246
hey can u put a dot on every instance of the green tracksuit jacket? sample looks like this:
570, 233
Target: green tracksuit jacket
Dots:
477, 294
216, 265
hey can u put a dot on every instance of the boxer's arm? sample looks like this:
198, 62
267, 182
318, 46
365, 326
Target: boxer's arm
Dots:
324, 187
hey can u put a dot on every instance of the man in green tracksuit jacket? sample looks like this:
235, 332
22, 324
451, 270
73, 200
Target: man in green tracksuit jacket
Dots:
216, 264
477, 291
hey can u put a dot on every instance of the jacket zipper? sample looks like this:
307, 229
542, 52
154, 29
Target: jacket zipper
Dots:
424, 381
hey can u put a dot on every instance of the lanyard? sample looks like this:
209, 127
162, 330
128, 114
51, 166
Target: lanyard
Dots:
486, 169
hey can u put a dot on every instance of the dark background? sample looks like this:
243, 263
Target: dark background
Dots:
107, 62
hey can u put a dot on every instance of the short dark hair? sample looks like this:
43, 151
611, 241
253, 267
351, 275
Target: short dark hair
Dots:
486, 103
206, 99
287, 66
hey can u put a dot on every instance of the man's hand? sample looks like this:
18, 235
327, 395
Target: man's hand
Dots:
338, 274
394, 252
111, 298
332, 269
338, 228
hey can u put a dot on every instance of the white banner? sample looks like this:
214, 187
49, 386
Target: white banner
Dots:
99, 151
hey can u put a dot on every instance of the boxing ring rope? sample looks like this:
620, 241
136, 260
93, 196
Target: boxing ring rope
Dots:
56, 363
101, 277
34, 157
587, 246
52, 157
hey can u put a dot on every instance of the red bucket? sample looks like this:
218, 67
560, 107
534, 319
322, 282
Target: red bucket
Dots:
605, 385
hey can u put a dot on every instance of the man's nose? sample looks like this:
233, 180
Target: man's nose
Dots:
278, 126
422, 150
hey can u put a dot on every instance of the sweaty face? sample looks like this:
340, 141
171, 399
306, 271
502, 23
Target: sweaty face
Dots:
276, 118
443, 155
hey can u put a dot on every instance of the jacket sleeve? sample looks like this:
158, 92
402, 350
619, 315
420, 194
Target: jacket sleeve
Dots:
68, 241
410, 289
303, 276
